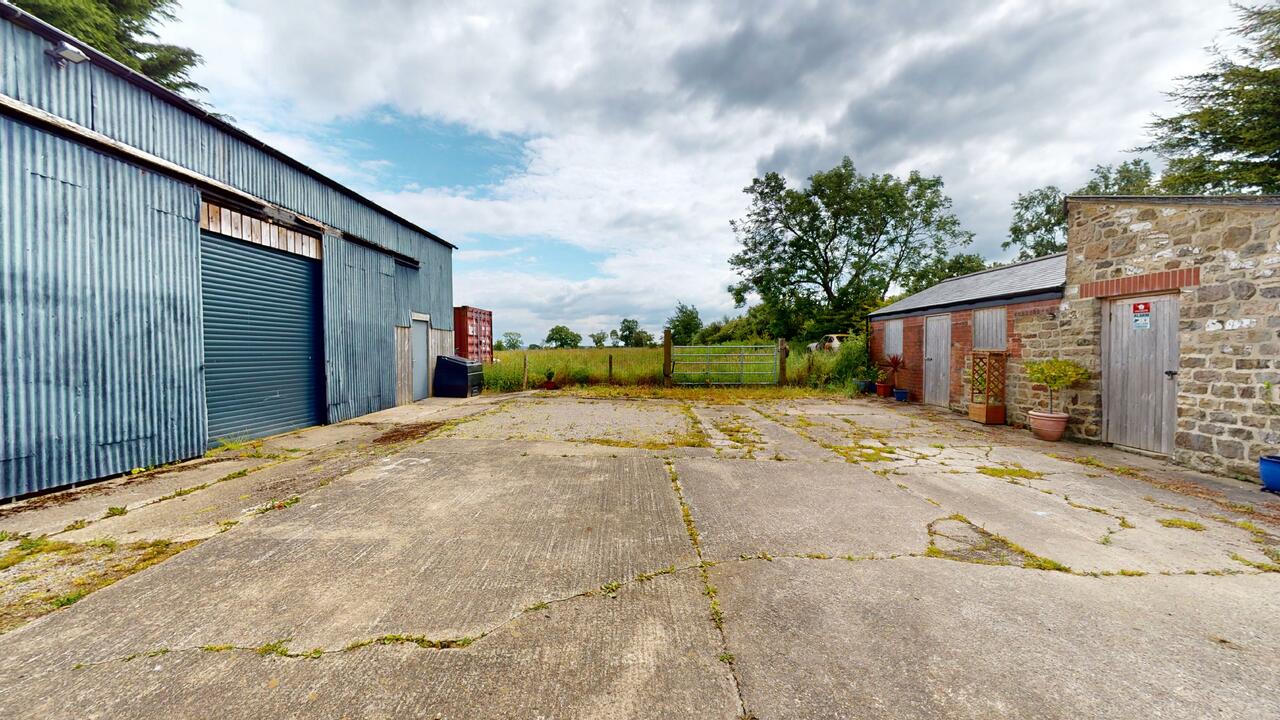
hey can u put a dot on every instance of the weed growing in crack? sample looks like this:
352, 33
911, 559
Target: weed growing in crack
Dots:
115, 511
1256, 564
279, 647
726, 657
76, 525
610, 589
1007, 472
69, 599
646, 577
1181, 523
277, 505
541, 605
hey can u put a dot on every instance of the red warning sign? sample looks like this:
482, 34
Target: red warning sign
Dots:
1141, 307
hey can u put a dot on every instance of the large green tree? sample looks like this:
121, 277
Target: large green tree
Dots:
124, 30
512, 340
561, 336
819, 256
598, 338
1039, 225
1227, 139
629, 334
684, 324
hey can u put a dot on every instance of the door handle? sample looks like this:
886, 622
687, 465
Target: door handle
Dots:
928, 359
1170, 373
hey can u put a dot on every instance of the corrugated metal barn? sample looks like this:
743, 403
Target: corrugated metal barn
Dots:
167, 281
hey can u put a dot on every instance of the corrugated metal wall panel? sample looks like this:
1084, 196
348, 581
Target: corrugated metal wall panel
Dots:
366, 295
91, 96
360, 312
99, 314
263, 339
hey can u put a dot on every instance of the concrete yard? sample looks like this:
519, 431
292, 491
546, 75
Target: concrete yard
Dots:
551, 555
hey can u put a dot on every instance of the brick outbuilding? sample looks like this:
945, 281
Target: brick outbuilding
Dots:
1171, 303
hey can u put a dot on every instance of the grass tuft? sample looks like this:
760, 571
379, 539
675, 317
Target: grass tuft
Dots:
1181, 523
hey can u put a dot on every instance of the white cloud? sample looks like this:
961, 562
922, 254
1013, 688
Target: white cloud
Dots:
647, 120
463, 256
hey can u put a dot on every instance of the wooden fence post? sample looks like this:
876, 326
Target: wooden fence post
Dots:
524, 383
666, 357
782, 362
610, 368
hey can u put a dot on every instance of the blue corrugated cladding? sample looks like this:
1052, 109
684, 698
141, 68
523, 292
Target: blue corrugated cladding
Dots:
366, 295
91, 390
262, 339
99, 306
91, 96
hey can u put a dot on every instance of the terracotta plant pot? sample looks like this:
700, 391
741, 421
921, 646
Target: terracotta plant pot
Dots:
1048, 426
884, 389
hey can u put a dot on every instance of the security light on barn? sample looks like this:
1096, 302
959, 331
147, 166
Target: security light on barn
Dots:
64, 52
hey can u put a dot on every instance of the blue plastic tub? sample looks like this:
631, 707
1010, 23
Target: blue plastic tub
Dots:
901, 394
1269, 469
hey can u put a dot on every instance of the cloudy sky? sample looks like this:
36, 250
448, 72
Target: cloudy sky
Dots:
587, 158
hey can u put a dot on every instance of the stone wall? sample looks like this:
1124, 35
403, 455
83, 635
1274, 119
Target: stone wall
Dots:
1222, 256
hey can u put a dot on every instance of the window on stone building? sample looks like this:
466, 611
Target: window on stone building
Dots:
893, 338
989, 329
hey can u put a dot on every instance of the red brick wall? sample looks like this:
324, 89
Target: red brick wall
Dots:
912, 377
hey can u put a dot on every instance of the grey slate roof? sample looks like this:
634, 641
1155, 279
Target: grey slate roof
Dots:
1042, 274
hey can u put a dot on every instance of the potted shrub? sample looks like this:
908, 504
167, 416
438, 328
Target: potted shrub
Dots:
550, 384
1057, 375
883, 387
895, 364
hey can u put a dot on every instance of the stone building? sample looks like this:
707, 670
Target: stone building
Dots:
1172, 303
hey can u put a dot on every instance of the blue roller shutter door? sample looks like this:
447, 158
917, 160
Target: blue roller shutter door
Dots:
263, 339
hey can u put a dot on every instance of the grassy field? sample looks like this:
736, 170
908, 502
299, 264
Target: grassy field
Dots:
641, 367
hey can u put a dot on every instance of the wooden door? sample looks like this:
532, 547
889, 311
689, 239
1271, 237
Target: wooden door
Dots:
937, 360
1140, 369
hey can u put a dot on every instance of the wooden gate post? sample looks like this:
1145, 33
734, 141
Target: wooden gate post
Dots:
524, 382
666, 357
782, 362
610, 368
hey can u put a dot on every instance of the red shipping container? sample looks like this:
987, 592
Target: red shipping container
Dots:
473, 333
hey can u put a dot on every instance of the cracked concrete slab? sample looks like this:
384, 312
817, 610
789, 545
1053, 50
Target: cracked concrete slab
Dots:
917, 637
469, 515
442, 545
657, 423
1071, 530
648, 652
49, 514
744, 507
